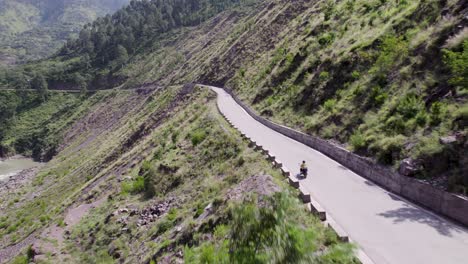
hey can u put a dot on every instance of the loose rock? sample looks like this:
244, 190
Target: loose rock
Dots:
409, 167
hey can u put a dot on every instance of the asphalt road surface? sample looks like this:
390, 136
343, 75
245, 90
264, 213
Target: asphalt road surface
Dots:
386, 227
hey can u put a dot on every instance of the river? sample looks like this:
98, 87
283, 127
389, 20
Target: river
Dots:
10, 167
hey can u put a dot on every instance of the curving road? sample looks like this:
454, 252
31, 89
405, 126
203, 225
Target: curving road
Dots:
388, 228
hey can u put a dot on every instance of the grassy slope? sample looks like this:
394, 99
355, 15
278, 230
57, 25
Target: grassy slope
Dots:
90, 148
360, 76
201, 175
363, 77
193, 155
367, 74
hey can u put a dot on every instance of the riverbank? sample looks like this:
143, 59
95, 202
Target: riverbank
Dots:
16, 182
12, 166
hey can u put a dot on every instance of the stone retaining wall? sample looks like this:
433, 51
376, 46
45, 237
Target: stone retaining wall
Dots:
448, 204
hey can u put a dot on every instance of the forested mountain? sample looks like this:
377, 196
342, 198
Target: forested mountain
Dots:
36, 29
104, 46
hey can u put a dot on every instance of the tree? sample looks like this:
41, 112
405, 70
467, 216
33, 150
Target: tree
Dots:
81, 83
120, 56
39, 83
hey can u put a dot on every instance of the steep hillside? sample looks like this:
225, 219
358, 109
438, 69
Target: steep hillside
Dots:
386, 79
157, 174
36, 29
34, 128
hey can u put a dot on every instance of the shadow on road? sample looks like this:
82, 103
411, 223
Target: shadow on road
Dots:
408, 213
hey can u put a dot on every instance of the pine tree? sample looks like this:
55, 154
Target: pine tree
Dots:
39, 83
120, 56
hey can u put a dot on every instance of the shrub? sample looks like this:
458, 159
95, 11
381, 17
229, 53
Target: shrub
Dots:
20, 260
12, 228
421, 118
174, 136
135, 186
276, 238
172, 214
150, 190
377, 96
329, 10
242, 72
323, 76
350, 5
395, 124
163, 226
329, 131
356, 75
438, 111
357, 141
267, 234
388, 149
198, 136
326, 39
458, 64
330, 104
240, 161
391, 49
428, 146
44, 218
410, 106
461, 117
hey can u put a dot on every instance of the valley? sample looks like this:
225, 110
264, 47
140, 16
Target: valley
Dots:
31, 30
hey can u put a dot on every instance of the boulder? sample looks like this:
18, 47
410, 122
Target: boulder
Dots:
448, 140
409, 167
123, 211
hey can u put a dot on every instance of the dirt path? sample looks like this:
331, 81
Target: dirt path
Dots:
51, 241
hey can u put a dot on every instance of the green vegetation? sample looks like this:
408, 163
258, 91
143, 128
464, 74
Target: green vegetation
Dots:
103, 47
458, 63
31, 124
272, 233
67, 174
385, 78
382, 77
187, 179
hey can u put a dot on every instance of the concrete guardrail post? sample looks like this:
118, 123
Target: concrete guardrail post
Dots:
317, 210
293, 182
304, 195
285, 171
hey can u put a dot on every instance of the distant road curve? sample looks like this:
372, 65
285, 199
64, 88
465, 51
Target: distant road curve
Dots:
58, 91
387, 227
